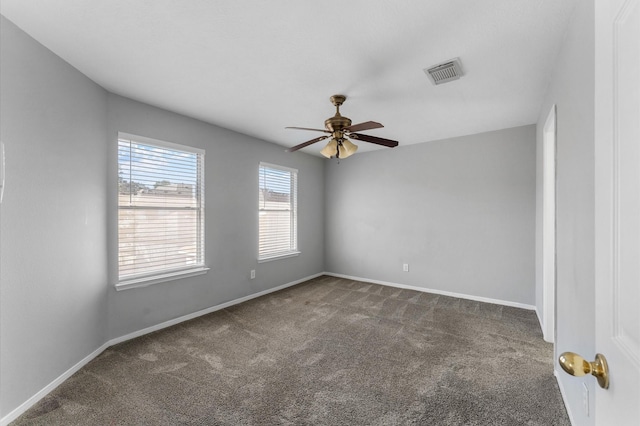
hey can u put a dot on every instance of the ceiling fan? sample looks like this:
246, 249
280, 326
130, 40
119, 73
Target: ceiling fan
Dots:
338, 128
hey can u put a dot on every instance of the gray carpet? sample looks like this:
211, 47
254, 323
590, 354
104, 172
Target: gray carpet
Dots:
326, 352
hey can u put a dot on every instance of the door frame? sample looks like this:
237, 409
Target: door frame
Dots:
549, 147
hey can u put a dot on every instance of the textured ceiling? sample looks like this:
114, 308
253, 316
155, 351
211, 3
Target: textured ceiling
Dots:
256, 66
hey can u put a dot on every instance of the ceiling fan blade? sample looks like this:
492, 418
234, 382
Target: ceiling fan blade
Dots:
374, 139
306, 128
307, 143
367, 125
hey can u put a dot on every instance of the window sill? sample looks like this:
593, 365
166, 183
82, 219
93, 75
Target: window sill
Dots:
279, 256
155, 279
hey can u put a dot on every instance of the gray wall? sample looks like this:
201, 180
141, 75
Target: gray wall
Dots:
459, 211
53, 274
572, 90
59, 218
231, 197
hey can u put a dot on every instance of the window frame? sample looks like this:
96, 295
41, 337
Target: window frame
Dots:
295, 250
168, 274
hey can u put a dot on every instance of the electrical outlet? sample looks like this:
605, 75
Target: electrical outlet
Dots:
253, 273
585, 398
405, 267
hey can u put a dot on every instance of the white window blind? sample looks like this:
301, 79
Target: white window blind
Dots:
278, 211
160, 208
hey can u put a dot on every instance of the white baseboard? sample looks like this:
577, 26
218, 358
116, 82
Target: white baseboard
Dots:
539, 315
444, 293
564, 397
14, 414
51, 386
205, 311
545, 332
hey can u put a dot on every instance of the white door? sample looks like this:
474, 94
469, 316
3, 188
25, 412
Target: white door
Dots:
617, 214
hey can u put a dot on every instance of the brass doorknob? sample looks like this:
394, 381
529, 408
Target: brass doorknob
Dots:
577, 366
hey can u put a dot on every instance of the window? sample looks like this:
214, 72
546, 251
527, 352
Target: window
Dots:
160, 210
278, 212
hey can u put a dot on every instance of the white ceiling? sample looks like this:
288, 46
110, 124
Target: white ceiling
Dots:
256, 66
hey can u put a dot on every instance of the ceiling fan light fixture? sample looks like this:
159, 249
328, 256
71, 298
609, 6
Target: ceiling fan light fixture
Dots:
331, 150
347, 148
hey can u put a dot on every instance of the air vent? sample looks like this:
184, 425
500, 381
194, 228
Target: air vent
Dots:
447, 71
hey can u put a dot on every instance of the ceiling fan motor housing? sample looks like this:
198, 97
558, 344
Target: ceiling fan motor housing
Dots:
337, 123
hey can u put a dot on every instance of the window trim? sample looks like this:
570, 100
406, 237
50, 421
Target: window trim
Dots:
279, 256
144, 281
149, 278
291, 253
161, 143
